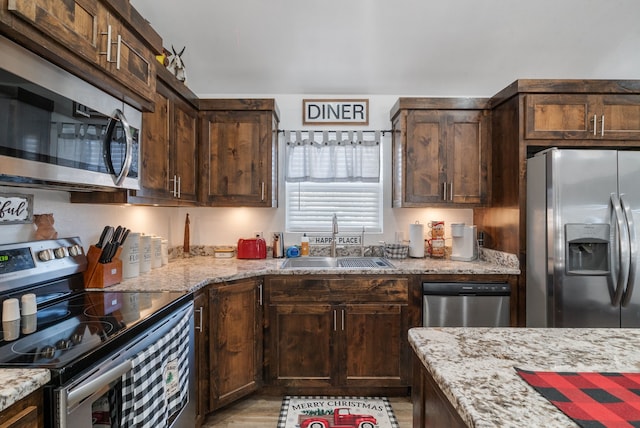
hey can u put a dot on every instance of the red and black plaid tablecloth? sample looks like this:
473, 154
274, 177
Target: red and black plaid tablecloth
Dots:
591, 399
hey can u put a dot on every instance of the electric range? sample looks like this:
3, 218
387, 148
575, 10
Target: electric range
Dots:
75, 328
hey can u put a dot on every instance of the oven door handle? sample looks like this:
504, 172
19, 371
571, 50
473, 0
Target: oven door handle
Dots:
74, 396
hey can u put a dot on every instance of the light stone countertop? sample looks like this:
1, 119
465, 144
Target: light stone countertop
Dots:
474, 367
192, 273
18, 383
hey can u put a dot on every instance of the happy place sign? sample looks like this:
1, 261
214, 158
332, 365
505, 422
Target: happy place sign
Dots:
333, 112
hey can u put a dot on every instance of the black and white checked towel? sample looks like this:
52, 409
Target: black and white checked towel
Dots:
149, 393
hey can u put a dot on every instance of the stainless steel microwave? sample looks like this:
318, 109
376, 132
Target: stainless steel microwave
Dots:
57, 130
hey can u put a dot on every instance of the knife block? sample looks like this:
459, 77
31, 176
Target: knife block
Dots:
102, 275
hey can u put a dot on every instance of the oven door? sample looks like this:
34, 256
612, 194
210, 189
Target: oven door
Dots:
96, 401
148, 383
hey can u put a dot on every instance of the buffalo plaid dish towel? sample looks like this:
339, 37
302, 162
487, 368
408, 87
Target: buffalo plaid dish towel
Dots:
591, 399
157, 386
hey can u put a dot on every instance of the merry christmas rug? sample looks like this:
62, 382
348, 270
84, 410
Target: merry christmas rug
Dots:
317, 412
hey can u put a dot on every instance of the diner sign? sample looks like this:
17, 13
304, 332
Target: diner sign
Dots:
334, 112
16, 208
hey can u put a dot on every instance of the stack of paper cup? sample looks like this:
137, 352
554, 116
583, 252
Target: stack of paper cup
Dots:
11, 319
29, 313
416, 240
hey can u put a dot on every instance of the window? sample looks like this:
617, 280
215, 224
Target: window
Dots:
333, 172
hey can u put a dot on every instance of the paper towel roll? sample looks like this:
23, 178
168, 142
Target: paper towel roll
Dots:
416, 240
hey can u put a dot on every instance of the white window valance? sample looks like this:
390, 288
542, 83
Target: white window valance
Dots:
332, 156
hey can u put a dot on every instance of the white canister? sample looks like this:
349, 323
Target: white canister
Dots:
156, 249
146, 253
130, 256
165, 252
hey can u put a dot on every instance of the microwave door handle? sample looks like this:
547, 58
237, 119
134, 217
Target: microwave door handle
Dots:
633, 249
75, 396
116, 117
623, 240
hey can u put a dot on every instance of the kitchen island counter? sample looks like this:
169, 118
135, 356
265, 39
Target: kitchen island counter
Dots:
474, 368
18, 383
192, 273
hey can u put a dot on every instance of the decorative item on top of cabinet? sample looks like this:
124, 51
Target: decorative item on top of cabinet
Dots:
106, 42
441, 152
168, 151
238, 152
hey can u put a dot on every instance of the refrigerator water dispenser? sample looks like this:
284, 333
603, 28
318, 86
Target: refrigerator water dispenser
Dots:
587, 249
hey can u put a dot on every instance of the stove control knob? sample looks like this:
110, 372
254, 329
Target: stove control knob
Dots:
76, 338
48, 352
45, 255
75, 250
63, 344
60, 252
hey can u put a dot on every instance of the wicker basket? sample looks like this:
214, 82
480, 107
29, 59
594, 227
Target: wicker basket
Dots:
396, 251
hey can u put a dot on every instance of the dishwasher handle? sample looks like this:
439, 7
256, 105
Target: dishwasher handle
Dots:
466, 289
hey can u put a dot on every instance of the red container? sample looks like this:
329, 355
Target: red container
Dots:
255, 248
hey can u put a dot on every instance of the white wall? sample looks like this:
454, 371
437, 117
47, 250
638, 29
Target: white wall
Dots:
223, 226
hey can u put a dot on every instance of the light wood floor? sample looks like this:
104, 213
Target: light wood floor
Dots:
261, 411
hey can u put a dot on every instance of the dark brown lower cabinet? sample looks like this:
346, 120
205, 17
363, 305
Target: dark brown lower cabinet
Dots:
201, 308
431, 408
235, 340
25, 413
338, 334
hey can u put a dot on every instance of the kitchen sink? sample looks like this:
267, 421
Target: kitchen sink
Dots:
337, 262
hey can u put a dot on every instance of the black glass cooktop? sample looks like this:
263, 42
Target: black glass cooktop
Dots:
78, 329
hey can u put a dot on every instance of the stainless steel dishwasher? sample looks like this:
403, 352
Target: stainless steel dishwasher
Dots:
465, 304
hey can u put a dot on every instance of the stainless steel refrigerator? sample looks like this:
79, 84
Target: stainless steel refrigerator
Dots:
583, 209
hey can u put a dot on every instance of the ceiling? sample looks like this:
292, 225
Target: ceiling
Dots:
394, 47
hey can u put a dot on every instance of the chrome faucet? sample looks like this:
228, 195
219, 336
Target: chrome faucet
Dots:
334, 232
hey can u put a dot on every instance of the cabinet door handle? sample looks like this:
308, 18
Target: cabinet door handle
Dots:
118, 50
595, 124
451, 191
179, 185
602, 127
262, 190
175, 185
108, 52
335, 321
198, 327
444, 191
342, 320
260, 294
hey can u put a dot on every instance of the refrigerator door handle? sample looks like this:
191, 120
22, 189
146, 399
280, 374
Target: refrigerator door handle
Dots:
633, 248
623, 240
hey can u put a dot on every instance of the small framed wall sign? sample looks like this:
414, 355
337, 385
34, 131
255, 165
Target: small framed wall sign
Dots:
335, 112
16, 208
